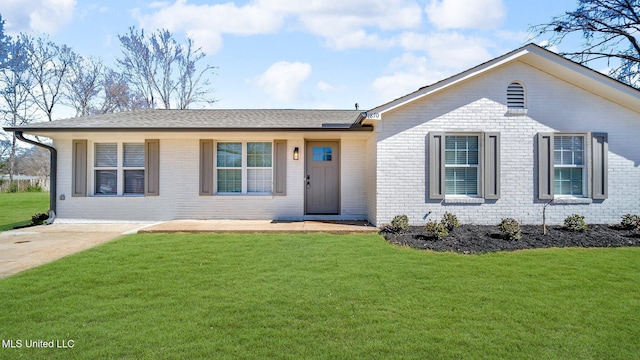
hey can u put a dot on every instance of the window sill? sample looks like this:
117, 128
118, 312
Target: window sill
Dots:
463, 200
572, 200
118, 196
224, 196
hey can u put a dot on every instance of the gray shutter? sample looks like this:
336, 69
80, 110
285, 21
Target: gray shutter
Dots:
491, 166
545, 166
600, 150
436, 165
206, 167
79, 166
152, 167
280, 167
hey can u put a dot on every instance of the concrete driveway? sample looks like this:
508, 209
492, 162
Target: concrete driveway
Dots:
29, 247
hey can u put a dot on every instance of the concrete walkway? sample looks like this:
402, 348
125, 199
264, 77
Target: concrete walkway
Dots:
253, 226
26, 248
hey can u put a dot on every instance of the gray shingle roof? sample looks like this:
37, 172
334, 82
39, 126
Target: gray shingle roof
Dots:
213, 119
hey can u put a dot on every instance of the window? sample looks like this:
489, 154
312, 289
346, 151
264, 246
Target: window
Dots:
569, 165
244, 167
106, 169
464, 165
116, 169
322, 153
461, 165
124, 168
572, 165
133, 165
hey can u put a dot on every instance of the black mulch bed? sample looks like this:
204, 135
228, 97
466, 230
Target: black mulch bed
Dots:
477, 239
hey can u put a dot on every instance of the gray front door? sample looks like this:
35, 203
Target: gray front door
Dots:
322, 188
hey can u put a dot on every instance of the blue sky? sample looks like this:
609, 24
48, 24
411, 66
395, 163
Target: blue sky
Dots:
303, 54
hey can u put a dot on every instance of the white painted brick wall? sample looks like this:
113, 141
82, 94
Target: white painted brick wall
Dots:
480, 105
179, 196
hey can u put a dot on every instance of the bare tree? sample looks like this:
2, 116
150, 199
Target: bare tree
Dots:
15, 92
5, 150
83, 85
118, 95
166, 53
193, 85
33, 161
609, 30
137, 64
49, 65
4, 43
163, 70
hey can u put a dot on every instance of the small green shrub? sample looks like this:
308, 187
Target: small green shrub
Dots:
13, 188
435, 230
39, 219
400, 223
630, 222
575, 222
450, 221
510, 229
33, 188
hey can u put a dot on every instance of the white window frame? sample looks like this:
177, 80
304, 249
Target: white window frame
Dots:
119, 168
244, 168
583, 167
476, 166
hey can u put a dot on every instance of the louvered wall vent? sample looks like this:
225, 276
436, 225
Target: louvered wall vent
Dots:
515, 96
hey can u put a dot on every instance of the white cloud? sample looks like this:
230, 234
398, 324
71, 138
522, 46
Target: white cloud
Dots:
342, 24
46, 16
408, 74
465, 14
207, 23
324, 86
282, 80
449, 50
353, 24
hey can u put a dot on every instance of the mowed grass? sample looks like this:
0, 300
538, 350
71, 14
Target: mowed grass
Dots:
16, 209
319, 296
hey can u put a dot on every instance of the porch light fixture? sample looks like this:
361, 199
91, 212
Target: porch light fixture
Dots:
296, 153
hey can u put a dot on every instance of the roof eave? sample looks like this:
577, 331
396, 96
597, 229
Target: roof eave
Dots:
182, 130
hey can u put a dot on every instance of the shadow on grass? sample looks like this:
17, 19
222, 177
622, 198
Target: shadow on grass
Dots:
15, 225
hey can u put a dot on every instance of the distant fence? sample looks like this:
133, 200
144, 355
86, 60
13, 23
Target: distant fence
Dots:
23, 184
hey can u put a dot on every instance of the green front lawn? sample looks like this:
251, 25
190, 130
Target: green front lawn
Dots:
187, 296
16, 209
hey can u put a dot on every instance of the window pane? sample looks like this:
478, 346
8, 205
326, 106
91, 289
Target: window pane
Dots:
106, 155
471, 181
229, 180
259, 180
134, 181
578, 157
576, 181
133, 155
568, 181
229, 155
461, 150
322, 154
568, 150
259, 154
106, 182
461, 181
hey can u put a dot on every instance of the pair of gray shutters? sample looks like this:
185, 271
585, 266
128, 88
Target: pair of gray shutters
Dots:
599, 166
151, 168
279, 167
491, 166
489, 163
